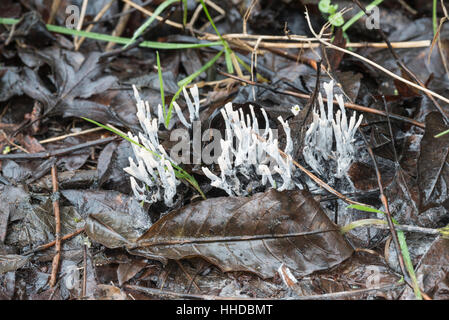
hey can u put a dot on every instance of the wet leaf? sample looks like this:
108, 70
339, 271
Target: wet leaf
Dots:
13, 206
364, 177
104, 162
253, 234
433, 170
9, 82
117, 179
75, 77
113, 219
12, 262
127, 271
7, 285
433, 272
32, 29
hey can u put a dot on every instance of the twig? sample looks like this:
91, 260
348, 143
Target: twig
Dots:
372, 63
391, 225
311, 42
215, 7
348, 294
399, 170
120, 27
292, 45
352, 106
16, 146
382, 224
149, 13
321, 183
117, 15
80, 22
189, 277
248, 14
54, 10
58, 138
57, 257
55, 153
75, 134
404, 67
296, 58
85, 270
336, 295
408, 7
51, 244
90, 27
177, 295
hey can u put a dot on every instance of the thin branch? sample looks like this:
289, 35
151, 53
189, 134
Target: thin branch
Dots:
55, 153
404, 67
372, 63
51, 244
56, 211
348, 105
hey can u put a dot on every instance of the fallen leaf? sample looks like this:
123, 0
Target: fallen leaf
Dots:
75, 77
112, 218
433, 272
254, 234
433, 169
12, 262
127, 271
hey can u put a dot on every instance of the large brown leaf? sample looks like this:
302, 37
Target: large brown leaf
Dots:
433, 169
255, 234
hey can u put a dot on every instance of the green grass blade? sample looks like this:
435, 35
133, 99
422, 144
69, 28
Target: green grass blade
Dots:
211, 20
409, 264
351, 21
248, 68
147, 23
206, 66
434, 17
361, 223
119, 40
184, 15
228, 60
364, 208
170, 107
121, 134
228, 50
403, 247
441, 134
161, 82
179, 172
186, 81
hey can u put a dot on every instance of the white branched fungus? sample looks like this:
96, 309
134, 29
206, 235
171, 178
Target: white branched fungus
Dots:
154, 167
194, 111
253, 153
324, 130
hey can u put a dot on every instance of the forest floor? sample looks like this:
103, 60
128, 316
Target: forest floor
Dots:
276, 149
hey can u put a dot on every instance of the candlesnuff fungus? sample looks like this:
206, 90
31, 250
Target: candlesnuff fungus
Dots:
248, 152
153, 166
254, 152
193, 111
324, 130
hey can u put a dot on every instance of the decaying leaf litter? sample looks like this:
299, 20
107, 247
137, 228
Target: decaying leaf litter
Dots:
328, 182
